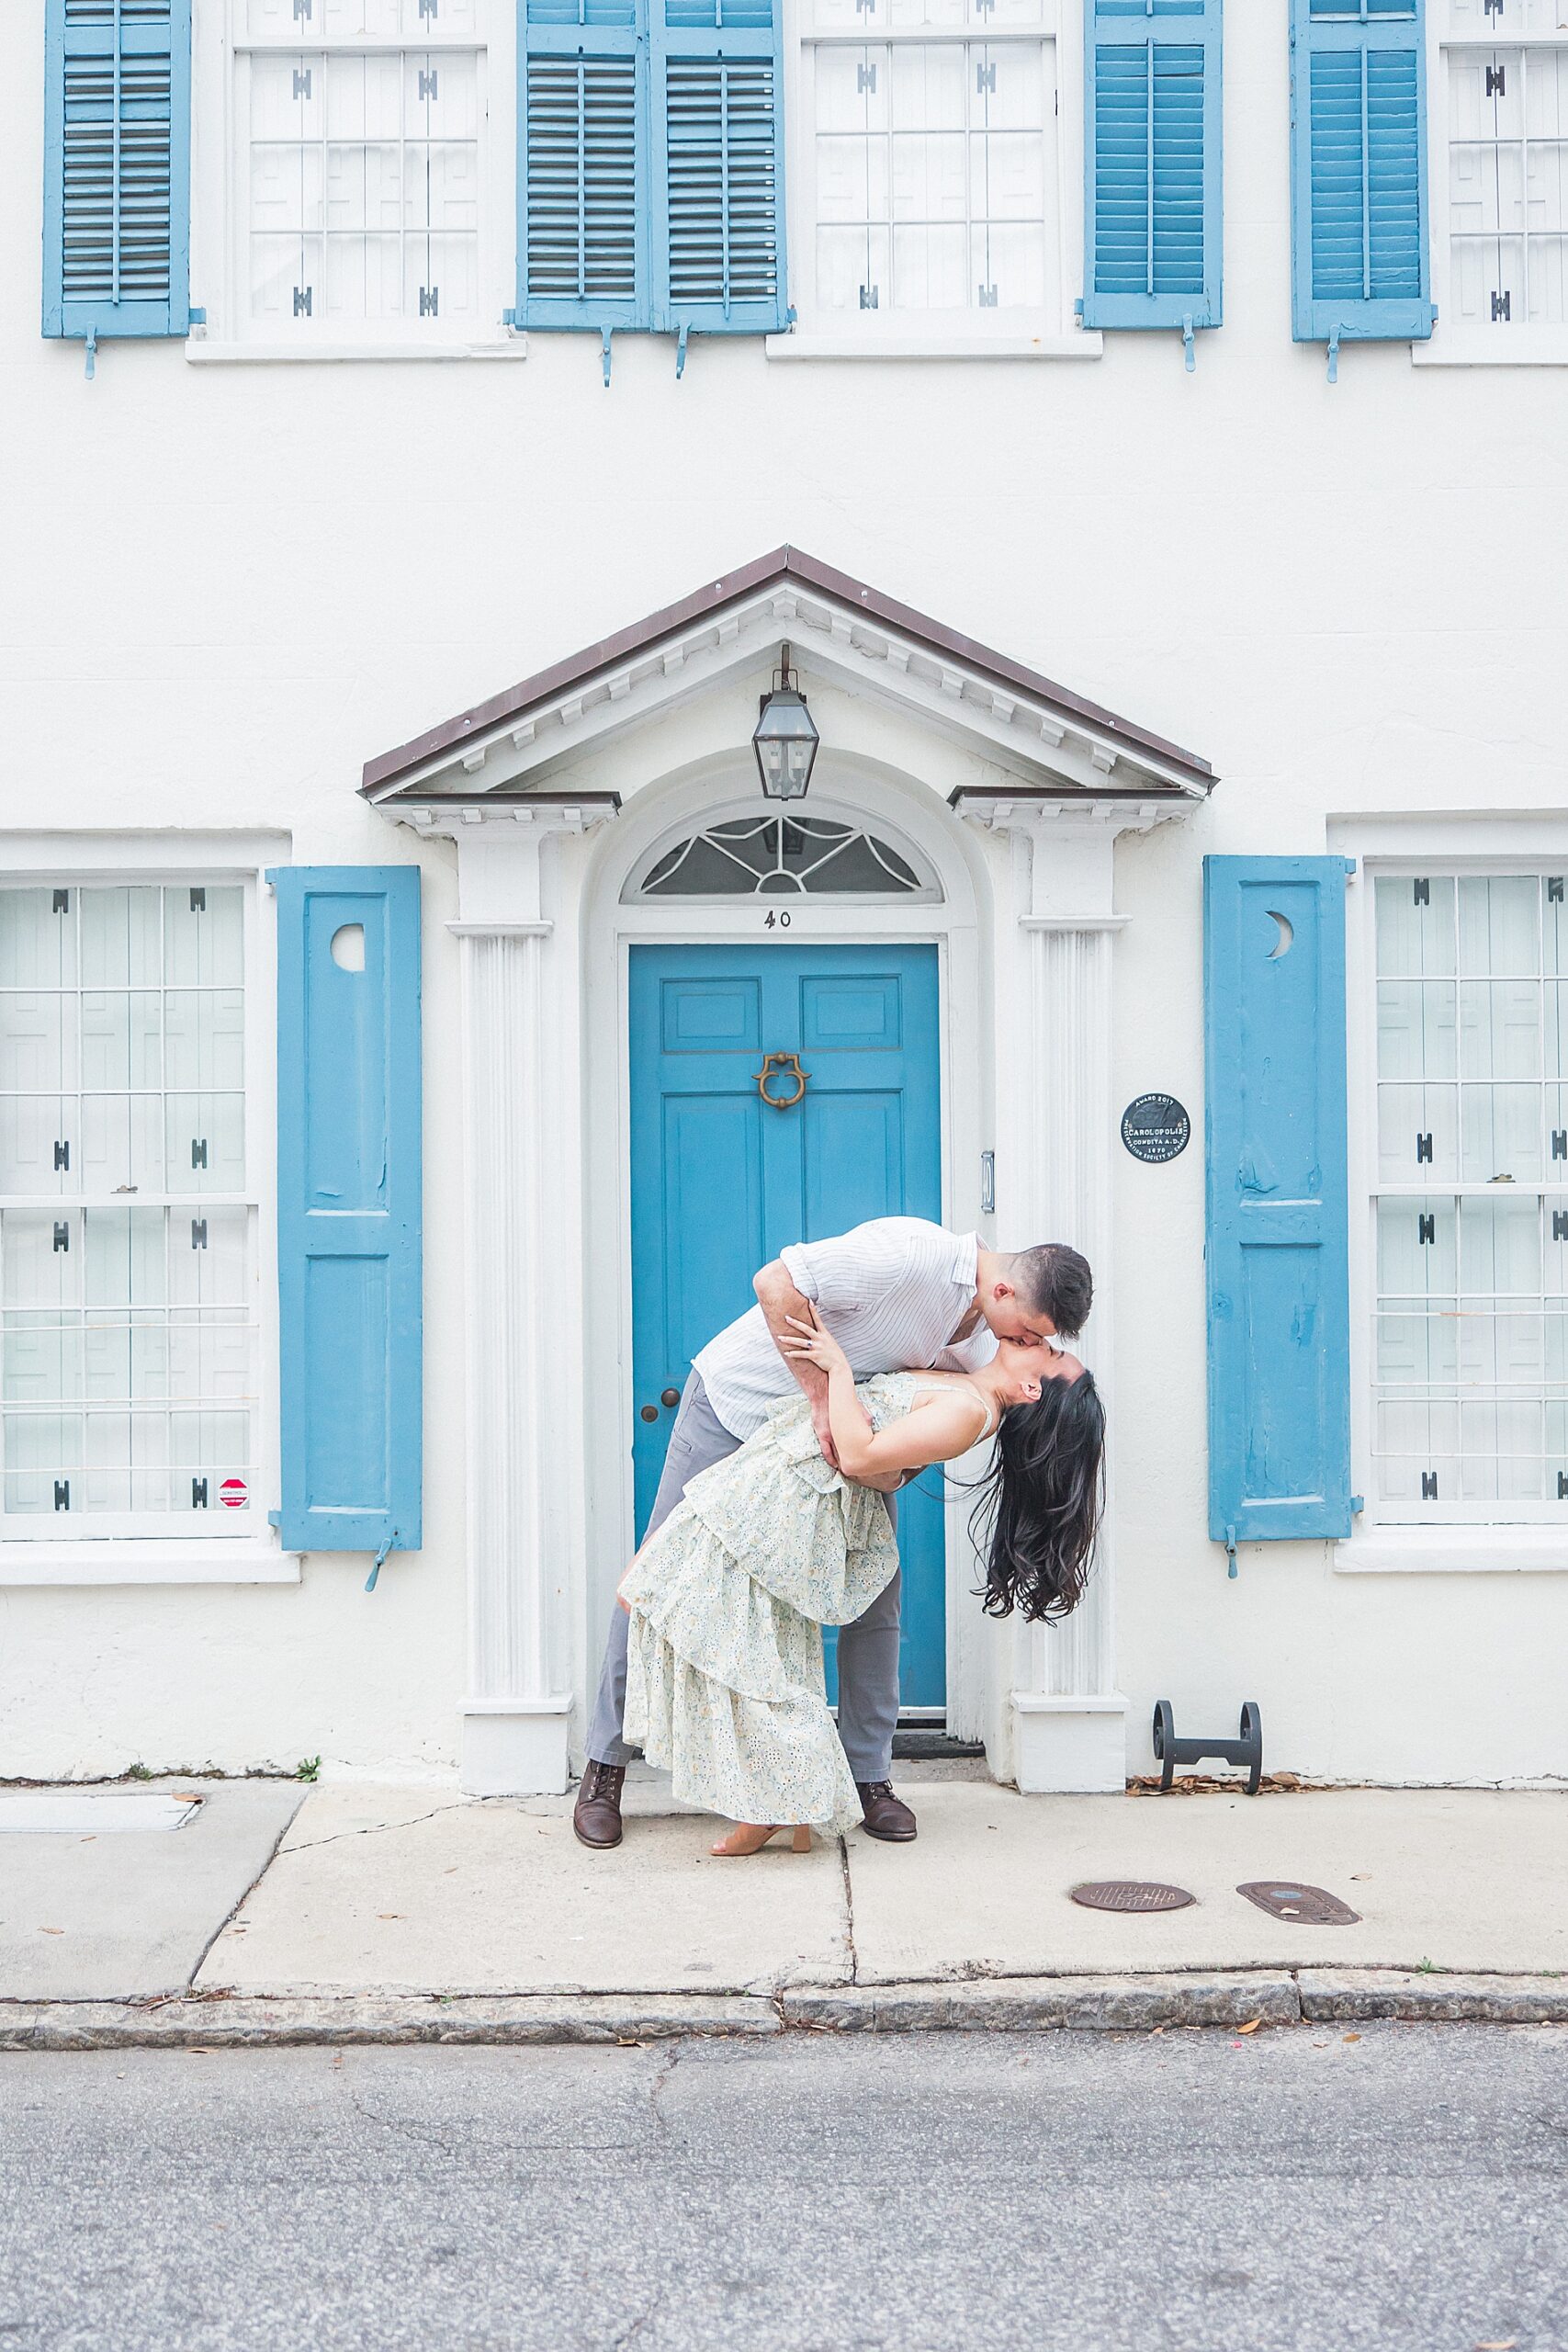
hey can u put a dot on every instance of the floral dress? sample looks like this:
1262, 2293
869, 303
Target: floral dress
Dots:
728, 1601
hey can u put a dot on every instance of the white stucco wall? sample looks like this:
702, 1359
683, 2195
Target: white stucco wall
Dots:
225, 587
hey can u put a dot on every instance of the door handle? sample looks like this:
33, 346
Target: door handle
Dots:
666, 1396
669, 1396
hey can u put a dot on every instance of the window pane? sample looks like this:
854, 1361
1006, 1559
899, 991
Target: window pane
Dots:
38, 1039
38, 939
121, 945
1416, 926
1499, 924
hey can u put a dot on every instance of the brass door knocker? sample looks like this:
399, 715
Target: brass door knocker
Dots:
781, 1066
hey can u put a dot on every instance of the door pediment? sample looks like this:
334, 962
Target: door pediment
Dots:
530, 741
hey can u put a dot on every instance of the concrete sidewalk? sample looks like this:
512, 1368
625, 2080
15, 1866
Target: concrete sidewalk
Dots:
383, 1907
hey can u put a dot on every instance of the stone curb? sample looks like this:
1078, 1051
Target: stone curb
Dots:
1082, 2004
244, 2023
994, 2005
1385, 1993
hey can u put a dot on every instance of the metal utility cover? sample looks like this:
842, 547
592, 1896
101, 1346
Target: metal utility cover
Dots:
1311, 1907
92, 1813
1131, 1894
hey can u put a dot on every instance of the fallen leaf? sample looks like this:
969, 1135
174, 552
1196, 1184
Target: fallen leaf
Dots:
388, 1914
201, 2050
1350, 2037
1502, 2344
1250, 2027
1359, 1877
628, 2042
51, 1931
1154, 2030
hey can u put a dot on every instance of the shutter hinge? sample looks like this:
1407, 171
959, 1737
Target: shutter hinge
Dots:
1189, 343
195, 318
91, 353
380, 1557
987, 1183
1230, 1551
1357, 1505
681, 349
606, 334
1077, 310
1333, 355
513, 318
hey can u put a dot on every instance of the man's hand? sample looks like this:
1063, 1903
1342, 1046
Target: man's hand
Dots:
824, 1432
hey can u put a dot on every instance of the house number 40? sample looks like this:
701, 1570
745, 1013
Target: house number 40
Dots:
770, 919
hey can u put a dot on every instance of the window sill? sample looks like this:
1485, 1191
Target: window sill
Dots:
147, 1560
1537, 347
203, 353
1453, 1551
917, 345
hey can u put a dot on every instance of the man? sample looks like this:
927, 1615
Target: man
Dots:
899, 1295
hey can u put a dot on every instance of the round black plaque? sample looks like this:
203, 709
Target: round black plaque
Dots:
1156, 1127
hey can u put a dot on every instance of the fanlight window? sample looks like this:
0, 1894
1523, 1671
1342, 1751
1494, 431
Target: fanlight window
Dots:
782, 857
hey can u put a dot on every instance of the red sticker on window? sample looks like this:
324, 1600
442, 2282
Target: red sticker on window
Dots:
233, 1494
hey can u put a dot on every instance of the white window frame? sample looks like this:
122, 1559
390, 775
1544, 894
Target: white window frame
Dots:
205, 1555
1452, 346
220, 212
830, 334
1521, 842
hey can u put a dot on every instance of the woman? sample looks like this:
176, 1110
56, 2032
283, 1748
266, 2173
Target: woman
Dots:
727, 1600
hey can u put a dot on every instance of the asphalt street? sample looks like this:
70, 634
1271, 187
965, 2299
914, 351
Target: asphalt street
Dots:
1188, 2191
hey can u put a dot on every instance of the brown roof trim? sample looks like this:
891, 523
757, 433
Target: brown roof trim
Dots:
773, 569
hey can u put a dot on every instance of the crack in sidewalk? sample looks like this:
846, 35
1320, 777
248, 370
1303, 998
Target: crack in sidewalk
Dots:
849, 1910
371, 1829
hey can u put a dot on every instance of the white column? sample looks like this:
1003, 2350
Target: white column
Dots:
523, 1528
1055, 1176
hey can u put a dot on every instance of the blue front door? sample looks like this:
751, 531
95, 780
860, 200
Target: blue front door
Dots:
721, 1181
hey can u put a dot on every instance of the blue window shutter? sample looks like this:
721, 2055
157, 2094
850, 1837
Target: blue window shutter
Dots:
1277, 1225
716, 111
1152, 154
1360, 266
117, 168
348, 1206
583, 168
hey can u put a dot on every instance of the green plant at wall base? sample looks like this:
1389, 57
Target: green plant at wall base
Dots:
138, 1772
308, 1769
1427, 1968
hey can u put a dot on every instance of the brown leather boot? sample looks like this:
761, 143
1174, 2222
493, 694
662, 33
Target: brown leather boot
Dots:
596, 1816
884, 1815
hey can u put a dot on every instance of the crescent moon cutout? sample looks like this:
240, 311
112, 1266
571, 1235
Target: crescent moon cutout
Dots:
1286, 940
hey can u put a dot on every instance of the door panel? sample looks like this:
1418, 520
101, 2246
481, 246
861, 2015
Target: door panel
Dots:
721, 1181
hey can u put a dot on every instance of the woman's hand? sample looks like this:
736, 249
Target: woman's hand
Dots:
817, 1344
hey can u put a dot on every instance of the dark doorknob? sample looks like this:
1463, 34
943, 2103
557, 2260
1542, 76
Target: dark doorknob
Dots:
669, 1396
651, 1412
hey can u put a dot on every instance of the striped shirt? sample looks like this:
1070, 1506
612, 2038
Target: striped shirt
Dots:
892, 1293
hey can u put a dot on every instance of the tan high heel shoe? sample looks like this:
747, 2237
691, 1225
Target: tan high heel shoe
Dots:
750, 1837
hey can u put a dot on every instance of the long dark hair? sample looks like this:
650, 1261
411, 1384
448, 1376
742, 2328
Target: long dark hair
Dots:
1041, 1500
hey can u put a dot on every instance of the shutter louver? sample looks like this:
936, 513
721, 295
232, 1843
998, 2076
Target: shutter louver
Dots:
1359, 163
581, 226
349, 1235
718, 175
1152, 165
117, 168
1277, 1246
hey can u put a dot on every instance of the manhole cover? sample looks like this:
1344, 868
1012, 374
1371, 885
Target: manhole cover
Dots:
1312, 1906
1131, 1894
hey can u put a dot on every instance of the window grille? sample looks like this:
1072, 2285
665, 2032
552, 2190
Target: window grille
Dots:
360, 133
1508, 163
782, 857
935, 137
128, 1392
1471, 1208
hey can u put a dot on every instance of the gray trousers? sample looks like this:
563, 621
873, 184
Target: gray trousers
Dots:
868, 1650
